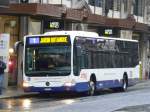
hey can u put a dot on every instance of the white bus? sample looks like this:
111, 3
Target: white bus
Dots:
78, 61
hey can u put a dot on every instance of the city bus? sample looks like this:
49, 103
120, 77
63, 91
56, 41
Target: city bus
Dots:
78, 61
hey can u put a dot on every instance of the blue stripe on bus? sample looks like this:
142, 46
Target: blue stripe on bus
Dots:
114, 83
108, 84
81, 87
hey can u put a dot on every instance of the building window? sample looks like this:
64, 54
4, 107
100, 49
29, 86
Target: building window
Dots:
113, 4
117, 5
125, 2
139, 7
97, 3
92, 2
110, 4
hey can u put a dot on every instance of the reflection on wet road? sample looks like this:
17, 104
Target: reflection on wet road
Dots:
13, 105
29, 103
34, 102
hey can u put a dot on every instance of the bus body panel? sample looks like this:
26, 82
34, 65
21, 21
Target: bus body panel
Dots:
109, 78
105, 77
38, 84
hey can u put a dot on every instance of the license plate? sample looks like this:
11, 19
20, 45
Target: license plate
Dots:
47, 89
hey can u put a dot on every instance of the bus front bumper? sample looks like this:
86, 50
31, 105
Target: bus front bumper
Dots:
78, 87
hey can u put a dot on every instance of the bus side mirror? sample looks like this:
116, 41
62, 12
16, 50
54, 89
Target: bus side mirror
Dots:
17, 44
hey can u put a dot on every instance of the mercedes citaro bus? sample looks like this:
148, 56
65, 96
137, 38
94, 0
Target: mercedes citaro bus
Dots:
78, 61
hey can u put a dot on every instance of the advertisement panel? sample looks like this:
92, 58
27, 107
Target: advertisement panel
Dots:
4, 48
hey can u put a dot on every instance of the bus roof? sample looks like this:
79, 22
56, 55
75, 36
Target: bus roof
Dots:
121, 39
83, 34
75, 33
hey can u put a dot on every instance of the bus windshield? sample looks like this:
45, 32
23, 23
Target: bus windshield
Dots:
48, 60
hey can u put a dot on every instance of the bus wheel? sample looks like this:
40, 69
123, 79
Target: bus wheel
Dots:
92, 88
125, 83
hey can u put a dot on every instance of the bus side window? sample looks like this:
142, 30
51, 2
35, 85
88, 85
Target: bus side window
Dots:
100, 60
113, 59
86, 60
79, 59
75, 61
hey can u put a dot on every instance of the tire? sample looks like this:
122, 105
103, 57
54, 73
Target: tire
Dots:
92, 88
124, 84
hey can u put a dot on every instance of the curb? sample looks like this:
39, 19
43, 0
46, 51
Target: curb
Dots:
17, 96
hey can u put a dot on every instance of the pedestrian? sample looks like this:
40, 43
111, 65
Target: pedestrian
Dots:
2, 68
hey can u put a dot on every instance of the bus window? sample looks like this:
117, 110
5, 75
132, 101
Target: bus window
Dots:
50, 59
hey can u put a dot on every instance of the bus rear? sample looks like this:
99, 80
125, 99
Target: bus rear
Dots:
47, 63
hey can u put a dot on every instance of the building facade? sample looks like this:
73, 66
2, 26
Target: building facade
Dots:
110, 18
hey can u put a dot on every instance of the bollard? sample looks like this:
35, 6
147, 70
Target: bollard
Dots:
140, 70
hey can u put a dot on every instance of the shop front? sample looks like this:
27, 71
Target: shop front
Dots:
9, 25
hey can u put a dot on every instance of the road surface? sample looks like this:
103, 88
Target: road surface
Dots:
136, 98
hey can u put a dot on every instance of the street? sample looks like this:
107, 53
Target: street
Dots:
105, 101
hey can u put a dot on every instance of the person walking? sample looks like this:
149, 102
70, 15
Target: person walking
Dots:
2, 68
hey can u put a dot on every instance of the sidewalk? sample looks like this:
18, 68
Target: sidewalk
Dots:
138, 108
12, 92
142, 84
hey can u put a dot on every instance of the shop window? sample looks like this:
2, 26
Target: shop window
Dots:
9, 25
34, 26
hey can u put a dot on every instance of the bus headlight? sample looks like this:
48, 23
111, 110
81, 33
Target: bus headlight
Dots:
25, 84
70, 83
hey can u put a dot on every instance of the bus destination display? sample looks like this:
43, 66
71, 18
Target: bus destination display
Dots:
48, 40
